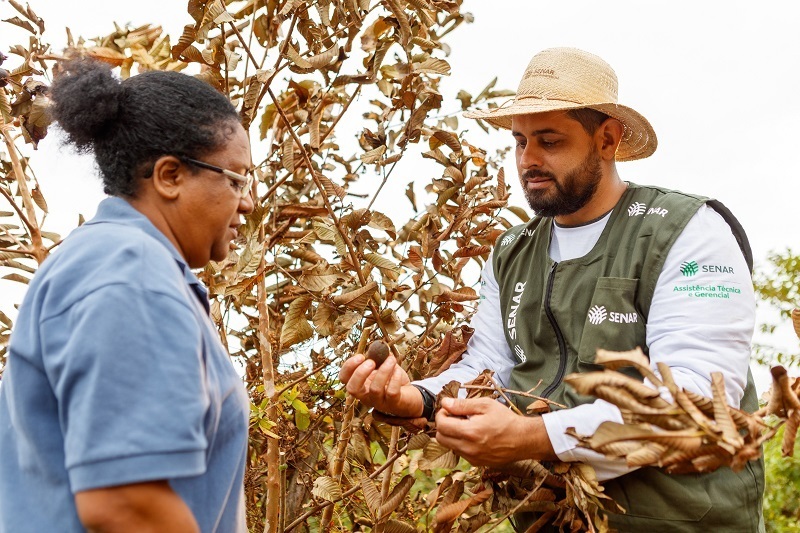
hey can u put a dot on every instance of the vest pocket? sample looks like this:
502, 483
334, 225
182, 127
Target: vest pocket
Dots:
651, 494
612, 320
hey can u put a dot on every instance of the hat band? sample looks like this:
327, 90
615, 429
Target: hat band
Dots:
544, 98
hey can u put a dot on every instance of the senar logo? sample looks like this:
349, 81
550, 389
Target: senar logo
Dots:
508, 239
689, 268
636, 209
511, 323
597, 314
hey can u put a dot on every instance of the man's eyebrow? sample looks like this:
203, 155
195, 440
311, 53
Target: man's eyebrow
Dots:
516, 133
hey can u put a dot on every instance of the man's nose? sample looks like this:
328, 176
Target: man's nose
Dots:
530, 157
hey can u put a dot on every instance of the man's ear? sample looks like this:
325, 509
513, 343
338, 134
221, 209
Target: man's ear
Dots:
608, 137
168, 176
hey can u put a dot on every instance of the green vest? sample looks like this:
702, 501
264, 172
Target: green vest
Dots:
556, 315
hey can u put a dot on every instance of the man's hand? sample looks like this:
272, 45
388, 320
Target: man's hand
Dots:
486, 433
386, 389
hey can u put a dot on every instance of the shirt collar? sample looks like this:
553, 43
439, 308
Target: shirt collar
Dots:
116, 210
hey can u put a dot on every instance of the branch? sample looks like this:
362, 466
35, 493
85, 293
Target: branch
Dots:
386, 484
23, 252
499, 389
40, 253
317, 508
268, 371
21, 215
351, 249
514, 392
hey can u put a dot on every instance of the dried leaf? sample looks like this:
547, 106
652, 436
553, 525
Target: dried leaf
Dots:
298, 60
588, 382
371, 496
380, 221
186, 40
790, 434
325, 319
464, 294
418, 441
296, 328
396, 7
796, 321
395, 498
721, 415
107, 55
324, 59
451, 140
358, 298
373, 155
453, 345
331, 188
16, 277
472, 251
38, 197
519, 212
635, 358
383, 263
327, 488
396, 526
437, 456
448, 513
24, 24
320, 277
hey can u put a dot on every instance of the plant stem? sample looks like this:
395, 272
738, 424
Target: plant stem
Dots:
37, 247
273, 508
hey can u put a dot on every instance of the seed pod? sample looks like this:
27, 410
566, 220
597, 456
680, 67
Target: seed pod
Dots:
378, 351
3, 77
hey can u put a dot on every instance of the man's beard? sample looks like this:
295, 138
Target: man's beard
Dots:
569, 195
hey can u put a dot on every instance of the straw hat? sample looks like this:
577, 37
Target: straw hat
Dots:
568, 78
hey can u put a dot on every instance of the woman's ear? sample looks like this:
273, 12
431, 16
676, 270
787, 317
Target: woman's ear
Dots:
609, 135
168, 176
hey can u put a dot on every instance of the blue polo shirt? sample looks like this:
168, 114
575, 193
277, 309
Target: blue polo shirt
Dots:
116, 375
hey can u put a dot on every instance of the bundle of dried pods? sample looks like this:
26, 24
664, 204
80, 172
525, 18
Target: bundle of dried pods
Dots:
683, 432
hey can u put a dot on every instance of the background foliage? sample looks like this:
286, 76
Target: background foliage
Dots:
335, 94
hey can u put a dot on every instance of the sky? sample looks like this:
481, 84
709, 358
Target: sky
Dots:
718, 80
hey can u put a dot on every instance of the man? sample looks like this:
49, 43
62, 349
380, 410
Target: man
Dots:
604, 264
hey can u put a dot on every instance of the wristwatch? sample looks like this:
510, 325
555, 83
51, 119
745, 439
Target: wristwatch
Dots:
428, 403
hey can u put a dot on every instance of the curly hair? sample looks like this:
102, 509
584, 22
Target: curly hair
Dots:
128, 125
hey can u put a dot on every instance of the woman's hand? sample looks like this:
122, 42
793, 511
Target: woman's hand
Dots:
151, 506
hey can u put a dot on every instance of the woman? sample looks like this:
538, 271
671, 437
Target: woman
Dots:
120, 409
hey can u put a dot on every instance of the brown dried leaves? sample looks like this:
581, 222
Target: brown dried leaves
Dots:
688, 433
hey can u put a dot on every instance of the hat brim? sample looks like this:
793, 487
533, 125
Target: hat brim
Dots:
638, 140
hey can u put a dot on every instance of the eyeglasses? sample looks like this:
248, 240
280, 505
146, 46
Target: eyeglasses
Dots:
242, 182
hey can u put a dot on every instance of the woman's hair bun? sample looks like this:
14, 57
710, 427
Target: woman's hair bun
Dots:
85, 100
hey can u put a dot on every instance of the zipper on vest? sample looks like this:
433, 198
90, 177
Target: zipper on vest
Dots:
562, 344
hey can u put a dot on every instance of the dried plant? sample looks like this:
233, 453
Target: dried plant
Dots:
687, 433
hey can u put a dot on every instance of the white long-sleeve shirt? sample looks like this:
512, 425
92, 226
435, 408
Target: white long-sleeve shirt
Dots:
701, 321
